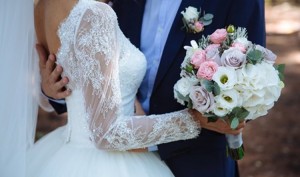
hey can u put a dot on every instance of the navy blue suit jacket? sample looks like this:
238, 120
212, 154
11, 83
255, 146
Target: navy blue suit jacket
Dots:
204, 156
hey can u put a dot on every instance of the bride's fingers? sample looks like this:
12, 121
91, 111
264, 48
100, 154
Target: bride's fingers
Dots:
241, 125
139, 150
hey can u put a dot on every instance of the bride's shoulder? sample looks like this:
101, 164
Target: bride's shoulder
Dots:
101, 9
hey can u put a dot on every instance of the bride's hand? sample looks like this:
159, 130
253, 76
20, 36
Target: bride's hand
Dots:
139, 150
139, 111
219, 126
105, 1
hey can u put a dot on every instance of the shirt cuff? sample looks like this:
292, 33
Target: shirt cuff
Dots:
59, 101
152, 148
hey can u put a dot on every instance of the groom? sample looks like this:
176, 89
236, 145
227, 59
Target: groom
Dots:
154, 26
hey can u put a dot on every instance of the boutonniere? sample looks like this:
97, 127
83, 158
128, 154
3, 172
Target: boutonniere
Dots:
192, 21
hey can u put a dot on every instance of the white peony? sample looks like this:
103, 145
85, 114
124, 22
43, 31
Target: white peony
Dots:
228, 99
258, 111
225, 77
191, 13
253, 98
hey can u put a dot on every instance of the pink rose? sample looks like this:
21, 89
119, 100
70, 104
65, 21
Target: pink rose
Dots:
218, 36
212, 46
198, 58
199, 26
239, 46
207, 69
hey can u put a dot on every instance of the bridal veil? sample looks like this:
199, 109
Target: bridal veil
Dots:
19, 85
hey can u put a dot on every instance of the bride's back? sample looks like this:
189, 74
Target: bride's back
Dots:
48, 14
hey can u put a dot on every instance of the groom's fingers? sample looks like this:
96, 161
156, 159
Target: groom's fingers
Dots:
55, 75
50, 64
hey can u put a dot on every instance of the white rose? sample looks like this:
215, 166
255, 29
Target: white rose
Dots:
228, 99
225, 77
183, 86
191, 13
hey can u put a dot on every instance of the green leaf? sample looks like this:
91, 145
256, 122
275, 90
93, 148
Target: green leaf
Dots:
189, 68
180, 96
190, 104
207, 17
208, 85
239, 112
217, 89
242, 114
212, 119
206, 22
255, 56
280, 68
234, 123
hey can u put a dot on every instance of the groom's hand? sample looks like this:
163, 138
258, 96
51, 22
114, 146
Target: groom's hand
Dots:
53, 85
219, 126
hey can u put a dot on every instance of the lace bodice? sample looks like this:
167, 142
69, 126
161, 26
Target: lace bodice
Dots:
105, 71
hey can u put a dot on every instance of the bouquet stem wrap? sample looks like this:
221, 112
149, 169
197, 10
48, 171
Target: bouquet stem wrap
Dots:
235, 147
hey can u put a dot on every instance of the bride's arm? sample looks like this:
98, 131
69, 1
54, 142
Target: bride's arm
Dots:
97, 48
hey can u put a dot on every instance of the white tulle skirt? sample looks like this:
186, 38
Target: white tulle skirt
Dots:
53, 157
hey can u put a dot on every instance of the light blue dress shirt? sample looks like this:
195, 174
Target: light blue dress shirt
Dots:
157, 22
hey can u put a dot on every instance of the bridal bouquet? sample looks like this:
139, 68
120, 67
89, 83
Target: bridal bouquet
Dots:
226, 76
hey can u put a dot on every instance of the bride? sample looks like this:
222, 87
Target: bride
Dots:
105, 71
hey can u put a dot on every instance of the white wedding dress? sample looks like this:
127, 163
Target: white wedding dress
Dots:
105, 71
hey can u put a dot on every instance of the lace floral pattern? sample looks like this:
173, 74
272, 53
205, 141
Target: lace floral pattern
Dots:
99, 60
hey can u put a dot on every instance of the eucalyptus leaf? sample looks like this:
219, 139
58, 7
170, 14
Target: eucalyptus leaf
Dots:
255, 56
280, 68
190, 104
206, 22
208, 85
208, 17
181, 97
234, 123
243, 114
217, 89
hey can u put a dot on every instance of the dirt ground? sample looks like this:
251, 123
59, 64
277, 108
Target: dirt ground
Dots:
272, 143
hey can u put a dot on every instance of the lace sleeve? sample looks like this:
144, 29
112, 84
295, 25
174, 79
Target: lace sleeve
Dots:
96, 45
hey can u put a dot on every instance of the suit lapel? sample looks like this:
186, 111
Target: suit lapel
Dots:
131, 22
174, 41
